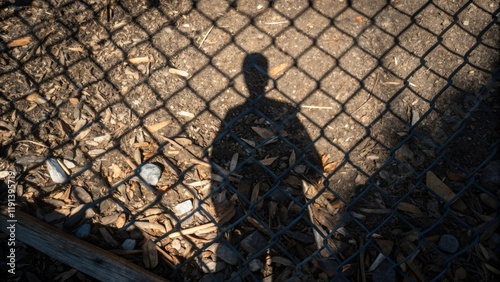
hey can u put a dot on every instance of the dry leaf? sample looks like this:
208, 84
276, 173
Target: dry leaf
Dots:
158, 126
263, 132
330, 167
149, 254
180, 73
255, 193
19, 42
64, 127
268, 161
249, 142
278, 69
324, 159
139, 60
443, 190
409, 208
234, 162
292, 159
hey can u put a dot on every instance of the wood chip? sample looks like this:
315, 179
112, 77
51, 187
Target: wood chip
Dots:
180, 73
278, 69
37, 98
120, 221
139, 60
157, 126
409, 208
443, 190
108, 238
186, 114
282, 261
149, 254
149, 225
19, 42
385, 245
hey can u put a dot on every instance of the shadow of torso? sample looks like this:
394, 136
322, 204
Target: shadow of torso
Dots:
260, 155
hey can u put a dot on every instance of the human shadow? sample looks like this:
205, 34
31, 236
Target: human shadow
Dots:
259, 159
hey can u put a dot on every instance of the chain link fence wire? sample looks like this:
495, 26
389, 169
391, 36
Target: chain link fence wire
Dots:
260, 140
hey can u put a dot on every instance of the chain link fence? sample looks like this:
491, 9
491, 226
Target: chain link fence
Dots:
260, 140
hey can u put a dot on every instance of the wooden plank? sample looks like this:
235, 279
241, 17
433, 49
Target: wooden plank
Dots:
76, 253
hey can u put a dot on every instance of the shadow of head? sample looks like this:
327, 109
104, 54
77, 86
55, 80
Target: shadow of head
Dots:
255, 71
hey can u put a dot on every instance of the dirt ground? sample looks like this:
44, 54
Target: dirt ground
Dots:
387, 109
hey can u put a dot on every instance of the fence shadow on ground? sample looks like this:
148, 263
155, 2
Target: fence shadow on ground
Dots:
386, 109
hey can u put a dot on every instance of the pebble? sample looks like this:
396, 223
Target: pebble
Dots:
150, 173
490, 178
224, 252
56, 172
129, 244
83, 231
183, 208
81, 195
253, 243
448, 243
255, 265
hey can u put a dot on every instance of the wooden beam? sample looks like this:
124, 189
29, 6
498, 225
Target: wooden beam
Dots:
74, 252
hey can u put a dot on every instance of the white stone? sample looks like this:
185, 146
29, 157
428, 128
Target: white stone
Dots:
183, 208
150, 173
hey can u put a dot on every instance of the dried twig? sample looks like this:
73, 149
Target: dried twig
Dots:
206, 35
205, 228
32, 142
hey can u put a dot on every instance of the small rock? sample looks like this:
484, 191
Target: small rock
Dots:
183, 208
129, 244
81, 195
384, 273
56, 172
83, 231
448, 243
224, 252
255, 265
150, 173
490, 178
466, 23
253, 243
